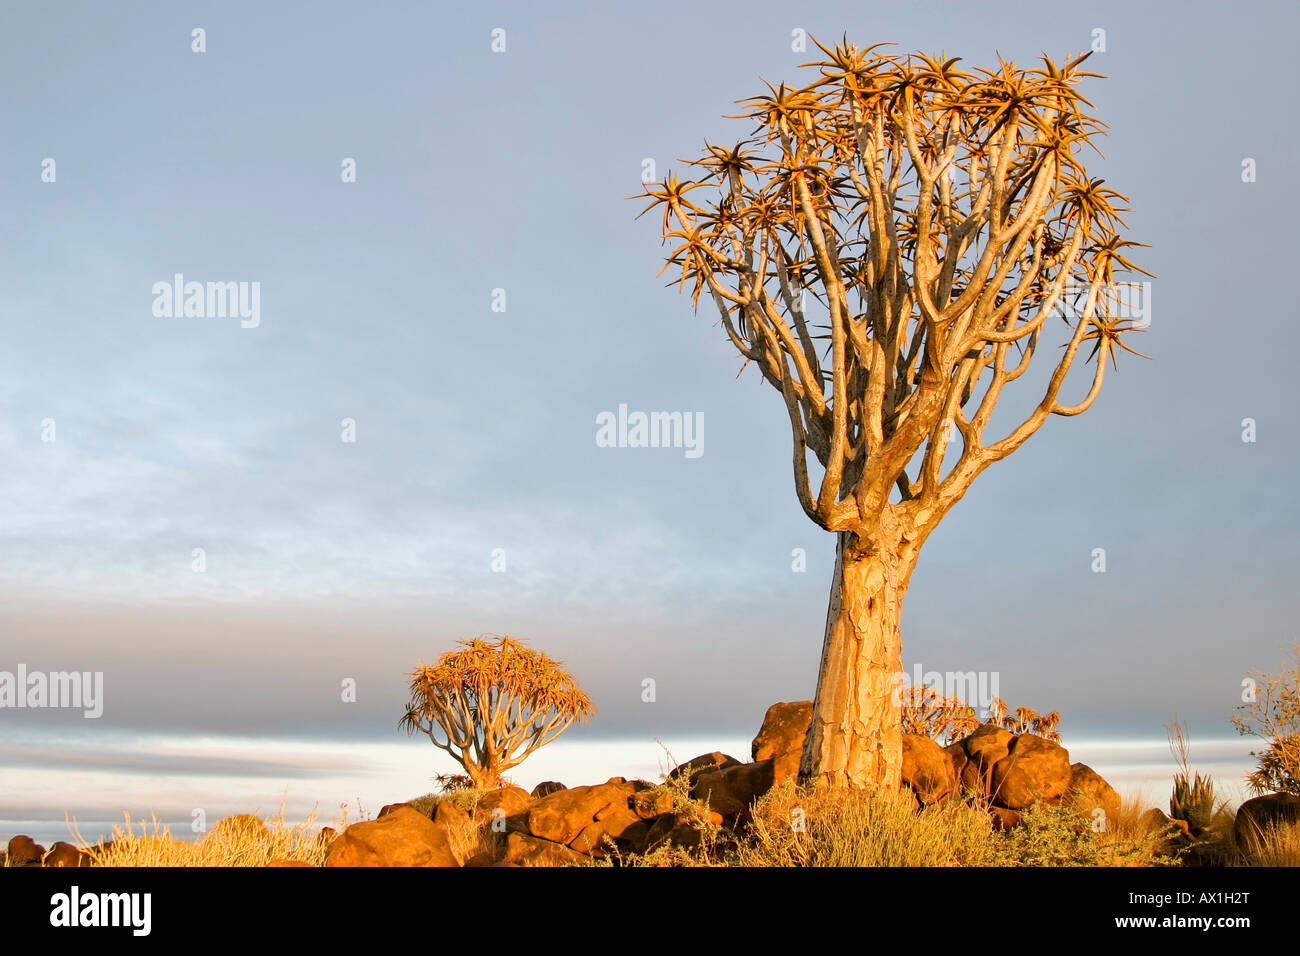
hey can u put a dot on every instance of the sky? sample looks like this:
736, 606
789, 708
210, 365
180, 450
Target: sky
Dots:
475, 497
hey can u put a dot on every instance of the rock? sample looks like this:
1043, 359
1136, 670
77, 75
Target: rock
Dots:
509, 800
451, 818
614, 821
24, 851
781, 737
1257, 814
927, 770
976, 780
618, 813
388, 808
1035, 770
785, 725
1089, 791
705, 763
561, 816
989, 744
525, 850
547, 787
65, 854
677, 829
635, 838
326, 835
1153, 821
786, 766
1174, 834
957, 754
1004, 819
652, 803
447, 813
732, 790
590, 840
403, 837
984, 749
239, 827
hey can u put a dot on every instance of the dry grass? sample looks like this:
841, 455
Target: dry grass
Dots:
150, 843
1128, 840
801, 827
1274, 846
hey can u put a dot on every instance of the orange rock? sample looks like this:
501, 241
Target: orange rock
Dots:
1089, 790
403, 837
704, 763
525, 850
561, 816
1258, 815
65, 854
1036, 770
509, 800
781, 737
927, 770
24, 851
731, 791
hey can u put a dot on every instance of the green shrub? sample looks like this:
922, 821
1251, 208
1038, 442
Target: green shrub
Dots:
1064, 836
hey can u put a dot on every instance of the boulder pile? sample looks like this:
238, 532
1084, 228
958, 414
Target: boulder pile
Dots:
555, 824
1010, 772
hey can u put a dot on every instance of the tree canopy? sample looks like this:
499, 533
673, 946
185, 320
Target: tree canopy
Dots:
939, 217
492, 703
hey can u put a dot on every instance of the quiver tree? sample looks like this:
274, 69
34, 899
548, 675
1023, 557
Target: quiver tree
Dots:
890, 249
491, 704
927, 712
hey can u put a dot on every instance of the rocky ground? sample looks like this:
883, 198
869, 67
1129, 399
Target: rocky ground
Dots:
558, 825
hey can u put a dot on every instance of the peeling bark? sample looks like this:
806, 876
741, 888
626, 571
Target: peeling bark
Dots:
855, 739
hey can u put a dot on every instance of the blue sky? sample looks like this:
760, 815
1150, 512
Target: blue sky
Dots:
477, 171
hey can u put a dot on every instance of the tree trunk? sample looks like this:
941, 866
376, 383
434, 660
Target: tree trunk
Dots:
483, 778
855, 739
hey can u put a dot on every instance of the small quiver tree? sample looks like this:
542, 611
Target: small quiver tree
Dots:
931, 714
492, 703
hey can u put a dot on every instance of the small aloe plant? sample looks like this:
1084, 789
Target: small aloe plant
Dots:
1193, 802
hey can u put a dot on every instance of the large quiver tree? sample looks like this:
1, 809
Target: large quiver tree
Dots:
887, 250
